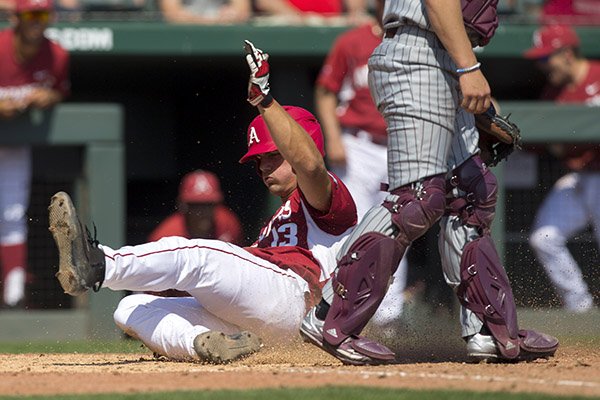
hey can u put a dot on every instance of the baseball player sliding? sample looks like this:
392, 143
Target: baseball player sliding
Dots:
265, 288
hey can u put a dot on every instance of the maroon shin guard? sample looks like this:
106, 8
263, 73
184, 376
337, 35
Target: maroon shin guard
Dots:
360, 285
485, 290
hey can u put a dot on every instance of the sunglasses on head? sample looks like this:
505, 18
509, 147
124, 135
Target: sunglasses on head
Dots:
39, 15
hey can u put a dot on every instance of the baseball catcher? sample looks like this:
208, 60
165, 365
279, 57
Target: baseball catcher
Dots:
460, 192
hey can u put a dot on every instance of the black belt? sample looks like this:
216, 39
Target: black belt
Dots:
390, 32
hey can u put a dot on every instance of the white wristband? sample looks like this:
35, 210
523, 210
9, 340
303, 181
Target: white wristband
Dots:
461, 71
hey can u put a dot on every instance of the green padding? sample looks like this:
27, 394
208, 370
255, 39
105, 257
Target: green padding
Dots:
159, 39
546, 121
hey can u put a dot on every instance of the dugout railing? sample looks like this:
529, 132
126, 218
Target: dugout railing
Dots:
95, 177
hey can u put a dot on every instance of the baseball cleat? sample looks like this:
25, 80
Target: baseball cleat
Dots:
218, 348
482, 348
355, 350
534, 345
81, 262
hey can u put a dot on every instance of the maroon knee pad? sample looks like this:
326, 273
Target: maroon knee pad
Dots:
417, 209
360, 284
485, 290
478, 206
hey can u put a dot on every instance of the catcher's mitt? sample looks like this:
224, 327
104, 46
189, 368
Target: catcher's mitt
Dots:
498, 137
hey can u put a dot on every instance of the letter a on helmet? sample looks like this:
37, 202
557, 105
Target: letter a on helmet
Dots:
260, 141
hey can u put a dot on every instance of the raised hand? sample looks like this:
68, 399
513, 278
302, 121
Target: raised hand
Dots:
258, 85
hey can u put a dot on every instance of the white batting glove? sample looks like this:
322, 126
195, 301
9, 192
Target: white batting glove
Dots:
258, 85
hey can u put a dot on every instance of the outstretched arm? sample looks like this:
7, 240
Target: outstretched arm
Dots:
326, 102
293, 142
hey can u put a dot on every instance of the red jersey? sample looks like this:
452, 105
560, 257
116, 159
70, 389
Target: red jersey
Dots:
345, 73
49, 68
587, 92
325, 7
227, 227
307, 240
571, 12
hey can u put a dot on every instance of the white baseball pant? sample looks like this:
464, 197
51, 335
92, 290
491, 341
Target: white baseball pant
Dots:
232, 290
571, 205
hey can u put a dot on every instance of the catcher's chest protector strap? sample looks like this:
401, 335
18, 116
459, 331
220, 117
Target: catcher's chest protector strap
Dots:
481, 16
485, 290
360, 284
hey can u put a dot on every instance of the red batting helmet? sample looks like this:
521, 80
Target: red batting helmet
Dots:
260, 141
200, 187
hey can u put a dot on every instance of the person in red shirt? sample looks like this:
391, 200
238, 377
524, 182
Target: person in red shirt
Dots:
200, 212
354, 11
580, 12
572, 204
34, 73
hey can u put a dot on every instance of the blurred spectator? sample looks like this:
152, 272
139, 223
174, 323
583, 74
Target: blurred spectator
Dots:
205, 11
530, 9
356, 136
354, 11
572, 204
34, 73
579, 12
200, 212
6, 6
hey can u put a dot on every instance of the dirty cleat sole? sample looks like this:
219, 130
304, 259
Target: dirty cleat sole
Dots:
218, 348
70, 241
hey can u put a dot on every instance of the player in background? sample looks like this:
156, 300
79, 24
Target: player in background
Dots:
34, 73
356, 137
200, 212
426, 82
572, 204
265, 288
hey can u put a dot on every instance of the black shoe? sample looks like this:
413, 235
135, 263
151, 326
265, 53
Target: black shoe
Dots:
81, 262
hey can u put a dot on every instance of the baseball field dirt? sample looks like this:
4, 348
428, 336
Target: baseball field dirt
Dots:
574, 371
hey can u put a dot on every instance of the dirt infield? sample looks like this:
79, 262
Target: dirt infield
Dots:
574, 371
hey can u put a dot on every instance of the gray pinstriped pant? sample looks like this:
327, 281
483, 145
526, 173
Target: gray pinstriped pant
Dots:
429, 134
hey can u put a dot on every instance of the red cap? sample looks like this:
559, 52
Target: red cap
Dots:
260, 141
200, 187
32, 5
548, 39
